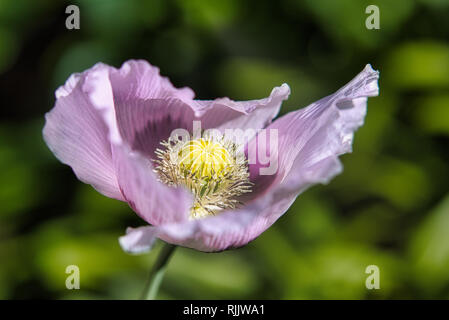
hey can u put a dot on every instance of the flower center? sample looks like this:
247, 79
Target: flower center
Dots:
210, 167
205, 158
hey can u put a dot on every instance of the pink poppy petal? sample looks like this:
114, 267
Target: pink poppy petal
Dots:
152, 200
323, 130
138, 240
143, 124
77, 134
155, 202
224, 113
148, 108
139, 79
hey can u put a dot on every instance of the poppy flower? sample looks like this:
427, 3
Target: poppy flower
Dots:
181, 164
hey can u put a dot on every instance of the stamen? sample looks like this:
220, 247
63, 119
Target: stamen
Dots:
211, 168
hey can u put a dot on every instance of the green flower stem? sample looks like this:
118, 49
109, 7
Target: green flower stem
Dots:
157, 272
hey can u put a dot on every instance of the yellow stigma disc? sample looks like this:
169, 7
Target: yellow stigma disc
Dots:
205, 158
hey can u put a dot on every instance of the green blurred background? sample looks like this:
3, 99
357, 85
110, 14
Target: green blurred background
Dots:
390, 207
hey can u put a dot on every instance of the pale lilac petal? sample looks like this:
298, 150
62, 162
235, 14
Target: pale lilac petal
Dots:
311, 140
115, 91
230, 229
139, 79
76, 133
137, 183
138, 240
99, 91
155, 202
224, 113
69, 85
143, 124
315, 136
147, 106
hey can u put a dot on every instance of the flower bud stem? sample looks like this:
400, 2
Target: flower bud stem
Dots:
157, 272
